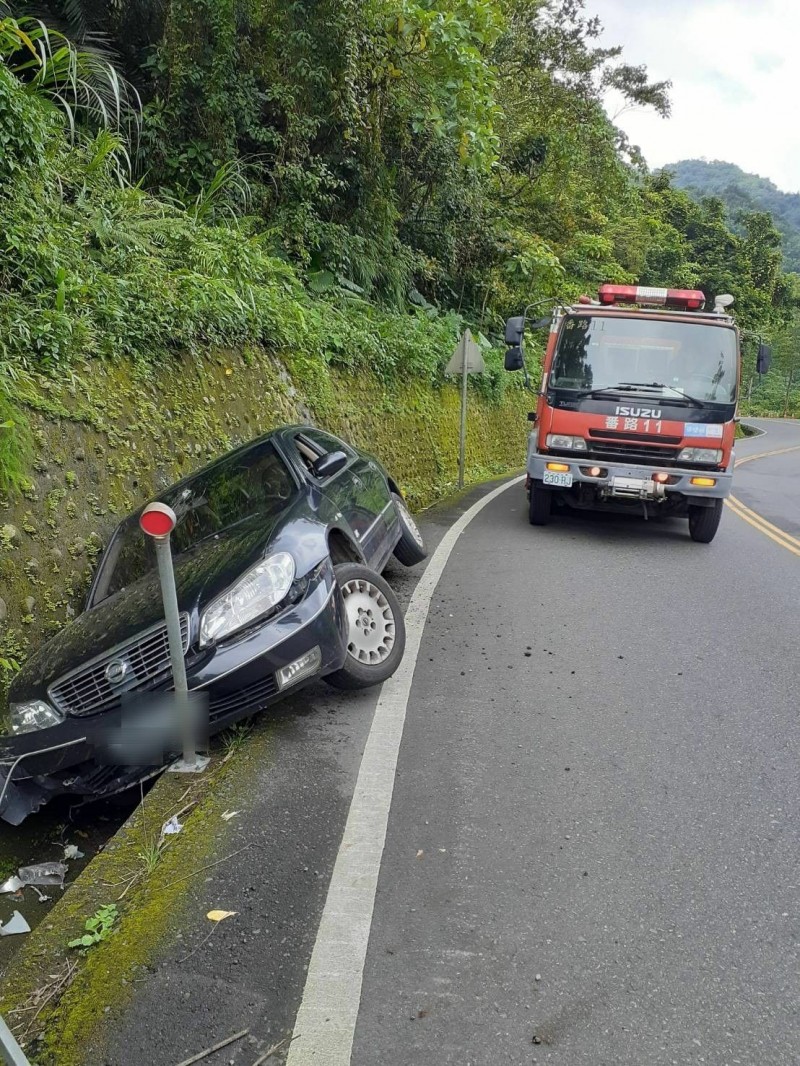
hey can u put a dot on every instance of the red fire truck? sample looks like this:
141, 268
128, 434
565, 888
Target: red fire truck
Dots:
637, 405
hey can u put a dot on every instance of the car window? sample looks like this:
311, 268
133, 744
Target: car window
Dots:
255, 482
328, 443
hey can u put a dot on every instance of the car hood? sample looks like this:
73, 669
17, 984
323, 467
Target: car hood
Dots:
200, 575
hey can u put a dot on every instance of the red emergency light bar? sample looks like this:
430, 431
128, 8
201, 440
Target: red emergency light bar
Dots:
675, 299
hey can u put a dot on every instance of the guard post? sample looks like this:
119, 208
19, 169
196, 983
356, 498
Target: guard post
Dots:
466, 359
158, 521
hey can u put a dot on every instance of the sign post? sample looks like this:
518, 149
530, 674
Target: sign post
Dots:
466, 359
158, 521
11, 1052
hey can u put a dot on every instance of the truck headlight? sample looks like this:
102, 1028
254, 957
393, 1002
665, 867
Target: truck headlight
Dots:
572, 444
36, 714
700, 455
261, 589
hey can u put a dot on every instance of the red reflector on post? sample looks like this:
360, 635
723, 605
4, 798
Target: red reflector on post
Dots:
157, 520
674, 299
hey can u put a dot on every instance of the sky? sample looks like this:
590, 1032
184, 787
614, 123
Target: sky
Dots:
734, 67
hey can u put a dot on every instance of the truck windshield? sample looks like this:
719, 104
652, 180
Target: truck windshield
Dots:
670, 359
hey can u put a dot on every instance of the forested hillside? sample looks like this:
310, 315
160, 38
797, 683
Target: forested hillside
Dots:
743, 192
348, 181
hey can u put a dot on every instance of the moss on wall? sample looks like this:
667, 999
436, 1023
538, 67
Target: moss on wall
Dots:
111, 436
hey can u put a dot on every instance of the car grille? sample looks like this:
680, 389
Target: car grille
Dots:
253, 698
143, 663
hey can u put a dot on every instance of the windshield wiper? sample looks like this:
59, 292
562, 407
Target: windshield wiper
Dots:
658, 385
625, 386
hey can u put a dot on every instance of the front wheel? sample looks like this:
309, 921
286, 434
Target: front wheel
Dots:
376, 632
704, 522
540, 504
410, 549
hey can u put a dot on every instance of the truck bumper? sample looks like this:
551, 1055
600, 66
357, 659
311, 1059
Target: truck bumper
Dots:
612, 482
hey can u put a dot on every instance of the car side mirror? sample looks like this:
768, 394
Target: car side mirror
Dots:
764, 359
514, 358
328, 465
532, 416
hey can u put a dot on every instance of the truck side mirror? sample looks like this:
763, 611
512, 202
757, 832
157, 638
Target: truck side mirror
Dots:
764, 359
532, 416
515, 330
514, 358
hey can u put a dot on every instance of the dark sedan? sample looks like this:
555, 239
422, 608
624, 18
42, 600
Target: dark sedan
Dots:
278, 552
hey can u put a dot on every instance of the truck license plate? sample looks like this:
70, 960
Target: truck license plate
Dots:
563, 481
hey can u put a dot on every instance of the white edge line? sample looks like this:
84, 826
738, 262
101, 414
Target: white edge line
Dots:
326, 1021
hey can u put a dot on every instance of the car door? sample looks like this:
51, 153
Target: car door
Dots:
360, 492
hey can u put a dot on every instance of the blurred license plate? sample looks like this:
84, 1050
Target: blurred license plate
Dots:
563, 481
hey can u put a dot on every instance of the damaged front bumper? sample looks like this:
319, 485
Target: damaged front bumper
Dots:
230, 681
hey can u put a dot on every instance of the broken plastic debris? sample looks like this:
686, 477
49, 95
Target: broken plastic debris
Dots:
71, 852
220, 916
42, 897
13, 884
43, 873
15, 924
171, 827
230, 814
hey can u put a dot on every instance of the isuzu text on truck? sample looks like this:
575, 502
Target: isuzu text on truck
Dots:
637, 405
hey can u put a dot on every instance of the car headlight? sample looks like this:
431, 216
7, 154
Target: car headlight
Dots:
261, 589
28, 717
700, 455
573, 444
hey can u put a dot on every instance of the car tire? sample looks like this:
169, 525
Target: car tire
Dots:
540, 504
376, 628
704, 522
410, 549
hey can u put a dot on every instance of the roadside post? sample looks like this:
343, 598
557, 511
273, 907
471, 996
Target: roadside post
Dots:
12, 1053
465, 360
157, 521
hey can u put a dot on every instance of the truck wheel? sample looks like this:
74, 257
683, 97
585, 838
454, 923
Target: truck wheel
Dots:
410, 549
376, 637
540, 504
704, 522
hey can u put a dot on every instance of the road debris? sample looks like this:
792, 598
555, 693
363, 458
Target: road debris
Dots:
220, 916
274, 1050
71, 852
13, 884
42, 897
171, 827
43, 873
230, 814
15, 924
217, 1047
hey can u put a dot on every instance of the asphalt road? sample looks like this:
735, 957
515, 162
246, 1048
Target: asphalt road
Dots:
592, 850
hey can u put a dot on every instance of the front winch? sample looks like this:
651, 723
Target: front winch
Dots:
634, 488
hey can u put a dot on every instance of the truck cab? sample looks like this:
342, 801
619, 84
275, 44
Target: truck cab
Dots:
637, 405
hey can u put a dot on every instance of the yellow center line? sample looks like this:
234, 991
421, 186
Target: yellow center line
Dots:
766, 455
757, 521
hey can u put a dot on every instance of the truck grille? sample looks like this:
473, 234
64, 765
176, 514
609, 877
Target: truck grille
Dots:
99, 685
619, 452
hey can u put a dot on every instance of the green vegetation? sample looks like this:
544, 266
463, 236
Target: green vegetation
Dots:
743, 192
98, 927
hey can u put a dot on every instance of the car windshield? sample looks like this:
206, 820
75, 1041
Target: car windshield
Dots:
647, 355
254, 482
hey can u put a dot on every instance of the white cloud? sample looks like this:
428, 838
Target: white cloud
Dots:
734, 71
